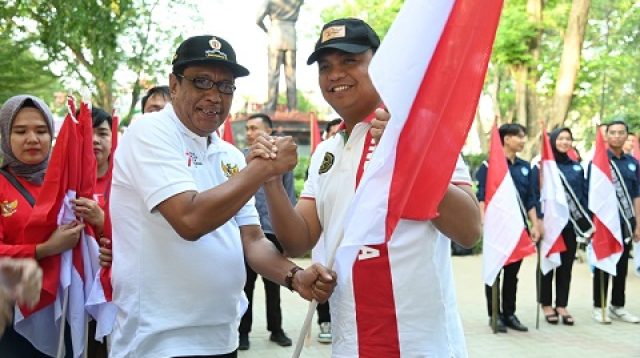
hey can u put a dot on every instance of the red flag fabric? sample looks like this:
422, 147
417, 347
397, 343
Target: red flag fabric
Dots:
505, 236
573, 154
314, 132
555, 207
635, 151
432, 109
41, 326
607, 240
227, 133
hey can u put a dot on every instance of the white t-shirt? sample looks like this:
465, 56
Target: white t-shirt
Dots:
400, 301
175, 297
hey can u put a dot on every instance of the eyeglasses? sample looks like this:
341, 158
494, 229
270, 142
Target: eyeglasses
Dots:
203, 83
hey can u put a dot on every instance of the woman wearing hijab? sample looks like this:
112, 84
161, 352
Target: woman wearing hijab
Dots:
575, 185
26, 132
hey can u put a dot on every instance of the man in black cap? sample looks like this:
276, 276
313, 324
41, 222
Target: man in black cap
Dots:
184, 221
400, 299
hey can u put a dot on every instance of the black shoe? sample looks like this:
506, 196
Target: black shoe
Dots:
500, 328
244, 342
514, 323
280, 338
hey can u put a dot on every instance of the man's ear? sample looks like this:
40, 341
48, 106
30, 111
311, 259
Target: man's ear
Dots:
269, 131
173, 85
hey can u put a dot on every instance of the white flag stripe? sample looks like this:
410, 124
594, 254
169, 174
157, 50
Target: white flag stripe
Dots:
398, 90
500, 236
556, 214
603, 204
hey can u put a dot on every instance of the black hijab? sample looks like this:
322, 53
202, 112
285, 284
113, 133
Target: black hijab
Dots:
553, 137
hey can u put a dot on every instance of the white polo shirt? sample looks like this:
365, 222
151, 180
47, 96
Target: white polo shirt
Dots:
402, 302
175, 297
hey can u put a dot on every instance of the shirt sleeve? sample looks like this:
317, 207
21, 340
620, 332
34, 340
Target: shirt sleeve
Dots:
15, 250
535, 183
532, 199
461, 173
481, 177
153, 162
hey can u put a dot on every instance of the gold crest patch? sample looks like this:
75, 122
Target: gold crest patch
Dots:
9, 208
333, 32
229, 170
327, 163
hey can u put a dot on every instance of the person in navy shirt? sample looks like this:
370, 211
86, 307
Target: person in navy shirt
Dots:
513, 138
628, 195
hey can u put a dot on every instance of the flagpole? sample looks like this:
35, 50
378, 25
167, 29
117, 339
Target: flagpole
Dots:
538, 283
63, 323
603, 299
314, 304
494, 305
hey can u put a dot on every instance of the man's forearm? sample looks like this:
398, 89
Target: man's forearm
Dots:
289, 226
458, 203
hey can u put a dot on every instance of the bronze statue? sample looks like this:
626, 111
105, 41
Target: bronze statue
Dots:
283, 15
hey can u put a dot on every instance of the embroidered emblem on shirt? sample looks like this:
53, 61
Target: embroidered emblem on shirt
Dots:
577, 168
327, 163
525, 171
229, 169
9, 208
192, 159
632, 167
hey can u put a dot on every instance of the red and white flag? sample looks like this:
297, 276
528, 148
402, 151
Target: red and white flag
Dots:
555, 209
99, 301
432, 91
607, 239
505, 237
42, 325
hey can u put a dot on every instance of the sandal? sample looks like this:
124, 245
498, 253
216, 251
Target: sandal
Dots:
552, 318
567, 320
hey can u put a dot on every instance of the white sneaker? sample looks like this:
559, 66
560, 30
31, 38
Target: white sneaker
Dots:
325, 332
599, 317
621, 314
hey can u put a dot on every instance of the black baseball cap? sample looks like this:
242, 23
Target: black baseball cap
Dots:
348, 35
206, 49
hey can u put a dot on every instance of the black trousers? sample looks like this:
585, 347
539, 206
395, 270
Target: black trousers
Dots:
509, 290
228, 355
272, 293
562, 272
619, 281
14, 345
324, 315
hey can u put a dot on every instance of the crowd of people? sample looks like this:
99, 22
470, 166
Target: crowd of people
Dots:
194, 220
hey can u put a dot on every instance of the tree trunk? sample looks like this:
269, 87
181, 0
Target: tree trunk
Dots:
570, 61
520, 76
534, 13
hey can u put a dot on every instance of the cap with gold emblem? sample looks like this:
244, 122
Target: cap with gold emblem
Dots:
348, 35
206, 49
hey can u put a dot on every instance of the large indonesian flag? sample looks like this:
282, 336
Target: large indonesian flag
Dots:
505, 238
429, 72
555, 207
607, 239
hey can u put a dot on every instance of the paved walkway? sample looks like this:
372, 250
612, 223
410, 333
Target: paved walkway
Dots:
585, 339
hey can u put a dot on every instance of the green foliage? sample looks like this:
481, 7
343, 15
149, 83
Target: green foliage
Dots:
379, 14
304, 105
91, 39
515, 33
300, 173
22, 72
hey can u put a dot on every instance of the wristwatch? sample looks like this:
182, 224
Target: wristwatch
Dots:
288, 281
